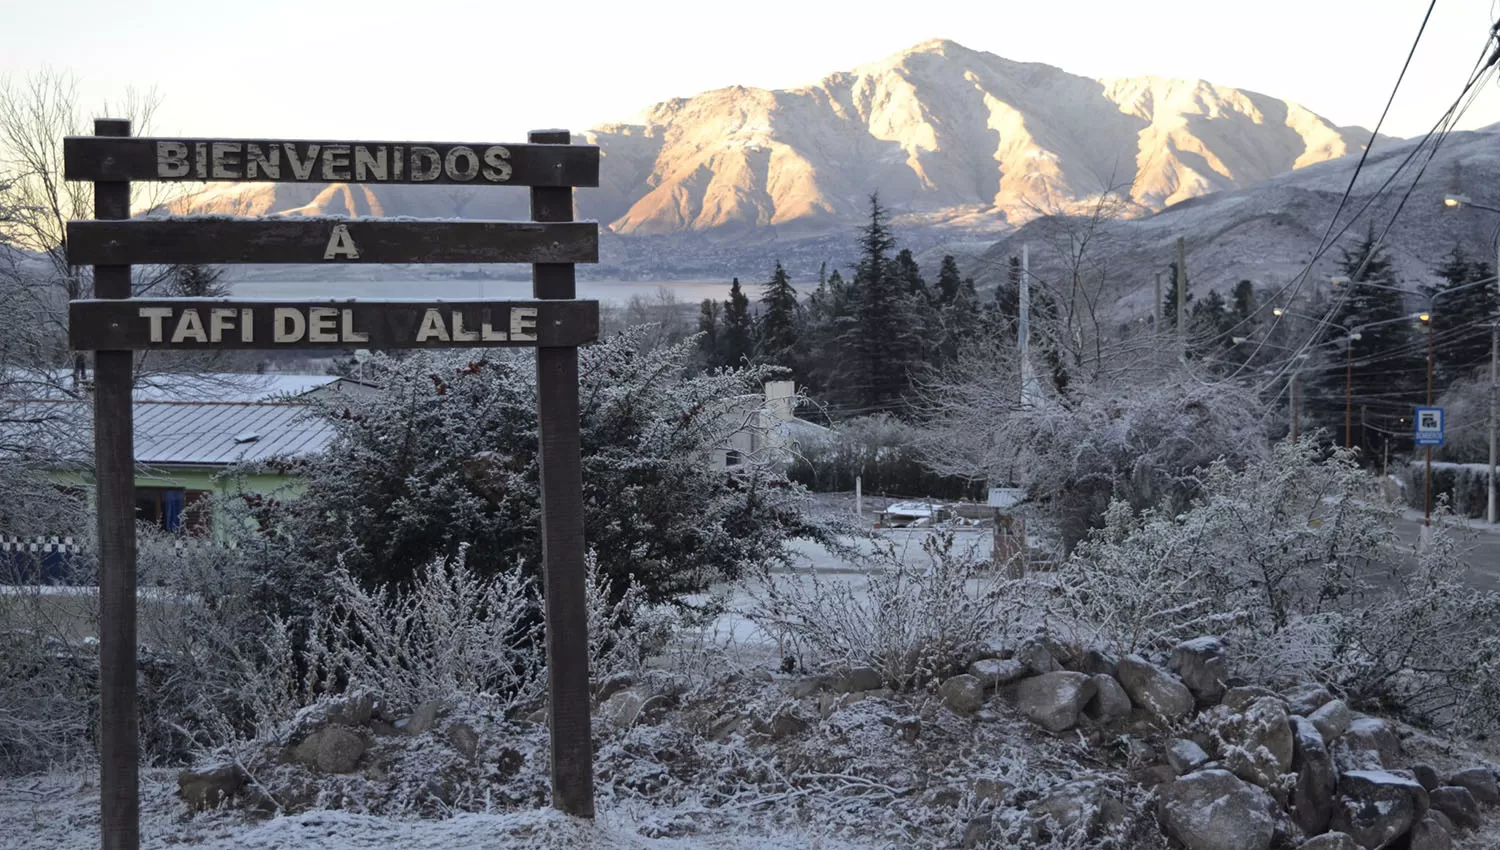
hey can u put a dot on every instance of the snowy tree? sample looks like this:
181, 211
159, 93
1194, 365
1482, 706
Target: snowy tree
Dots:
1465, 308
739, 327
777, 325
442, 464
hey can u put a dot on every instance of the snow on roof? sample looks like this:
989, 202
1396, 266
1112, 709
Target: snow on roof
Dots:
210, 386
184, 433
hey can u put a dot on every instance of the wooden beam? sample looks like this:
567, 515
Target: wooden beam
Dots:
329, 240
200, 324
296, 161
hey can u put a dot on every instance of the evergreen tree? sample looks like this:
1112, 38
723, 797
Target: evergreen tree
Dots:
739, 326
885, 341
197, 281
776, 336
1244, 301
949, 280
1210, 326
962, 321
710, 344
1464, 306
1006, 308
1388, 372
910, 276
1169, 301
827, 317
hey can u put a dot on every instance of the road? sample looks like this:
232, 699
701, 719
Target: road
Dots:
1482, 551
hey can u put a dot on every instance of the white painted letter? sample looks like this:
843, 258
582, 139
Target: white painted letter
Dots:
349, 333
459, 334
227, 160
171, 160
367, 164
432, 327
302, 169
200, 160
321, 322
247, 325
426, 165
497, 170
336, 157
486, 331
290, 325
220, 319
257, 161
340, 244
523, 324
155, 314
189, 325
470, 167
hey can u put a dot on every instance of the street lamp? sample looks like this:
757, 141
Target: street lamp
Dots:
1490, 509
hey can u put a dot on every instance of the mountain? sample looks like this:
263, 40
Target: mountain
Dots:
946, 134
1268, 232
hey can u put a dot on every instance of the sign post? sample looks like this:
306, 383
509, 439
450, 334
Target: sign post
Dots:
115, 325
1428, 431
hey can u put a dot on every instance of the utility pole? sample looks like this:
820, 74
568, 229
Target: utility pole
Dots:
1023, 329
1295, 412
1427, 519
1494, 392
1156, 310
1182, 297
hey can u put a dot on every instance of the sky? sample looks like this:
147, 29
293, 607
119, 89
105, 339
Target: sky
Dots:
461, 71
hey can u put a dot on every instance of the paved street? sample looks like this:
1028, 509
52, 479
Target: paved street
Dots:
1483, 550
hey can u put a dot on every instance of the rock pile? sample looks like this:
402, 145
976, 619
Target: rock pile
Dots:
1241, 767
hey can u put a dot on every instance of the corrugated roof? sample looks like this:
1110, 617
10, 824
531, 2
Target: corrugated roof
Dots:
189, 433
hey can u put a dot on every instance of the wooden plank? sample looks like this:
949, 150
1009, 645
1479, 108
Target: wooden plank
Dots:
114, 477
198, 324
329, 240
299, 161
564, 570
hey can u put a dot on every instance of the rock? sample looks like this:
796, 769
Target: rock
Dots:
421, 719
1037, 655
1185, 756
613, 685
1305, 699
1152, 776
1329, 841
1458, 804
206, 787
787, 723
909, 728
1376, 808
991, 791
1442, 820
1263, 724
1154, 689
339, 750
305, 752
1481, 783
353, 709
994, 672
1054, 700
977, 833
1237, 698
1369, 744
963, 694
654, 709
805, 687
538, 717
1097, 662
1313, 796
856, 679
1203, 665
462, 737
1110, 701
1215, 810
1332, 719
621, 709
1426, 775
1429, 835
1073, 807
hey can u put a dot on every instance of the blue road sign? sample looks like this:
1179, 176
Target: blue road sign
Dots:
1429, 426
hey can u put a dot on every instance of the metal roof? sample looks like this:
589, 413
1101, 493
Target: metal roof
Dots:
186, 433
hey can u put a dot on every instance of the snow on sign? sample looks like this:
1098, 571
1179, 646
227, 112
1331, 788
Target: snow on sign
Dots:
114, 324
1429, 426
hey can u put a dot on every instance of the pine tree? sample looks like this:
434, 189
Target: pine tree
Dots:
828, 315
739, 326
197, 281
1244, 301
1464, 306
1169, 301
949, 280
885, 341
776, 328
710, 344
1210, 326
910, 276
1388, 372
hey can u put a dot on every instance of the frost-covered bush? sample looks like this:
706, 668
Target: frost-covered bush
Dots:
1143, 441
1464, 486
443, 459
910, 622
881, 450
1296, 562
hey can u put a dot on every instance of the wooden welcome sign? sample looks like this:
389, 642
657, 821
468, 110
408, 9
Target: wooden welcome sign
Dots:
115, 325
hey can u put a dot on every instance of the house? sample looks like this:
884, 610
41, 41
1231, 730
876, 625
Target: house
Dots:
767, 432
181, 449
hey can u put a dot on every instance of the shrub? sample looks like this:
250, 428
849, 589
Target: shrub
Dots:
881, 451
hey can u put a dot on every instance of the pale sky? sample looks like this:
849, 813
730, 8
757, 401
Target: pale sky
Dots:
447, 70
